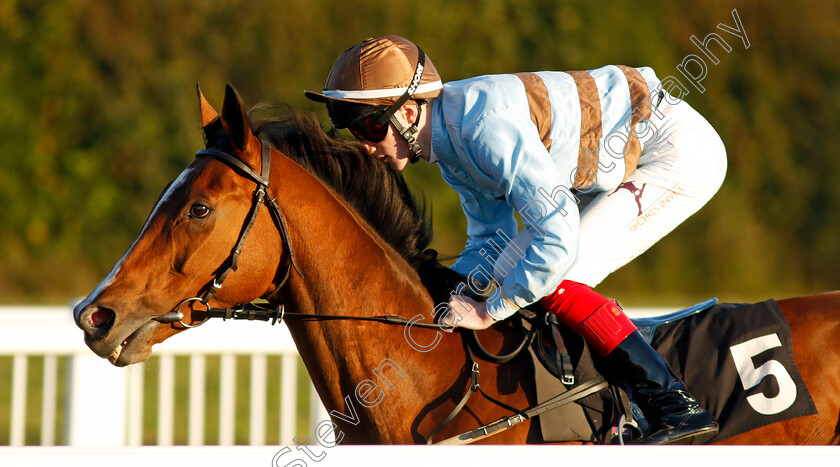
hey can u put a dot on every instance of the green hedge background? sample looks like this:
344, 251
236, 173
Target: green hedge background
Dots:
98, 113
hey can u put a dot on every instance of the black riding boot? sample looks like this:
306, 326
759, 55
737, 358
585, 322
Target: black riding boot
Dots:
675, 416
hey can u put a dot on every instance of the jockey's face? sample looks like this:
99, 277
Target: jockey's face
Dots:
394, 150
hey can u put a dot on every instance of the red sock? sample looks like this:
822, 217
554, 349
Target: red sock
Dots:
600, 321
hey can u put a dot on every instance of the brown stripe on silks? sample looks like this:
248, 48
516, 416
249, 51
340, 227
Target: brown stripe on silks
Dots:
640, 108
539, 105
590, 129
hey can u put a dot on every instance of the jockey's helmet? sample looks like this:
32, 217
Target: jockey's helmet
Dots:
378, 74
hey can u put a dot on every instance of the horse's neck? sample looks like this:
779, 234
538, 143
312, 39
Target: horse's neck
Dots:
342, 256
348, 270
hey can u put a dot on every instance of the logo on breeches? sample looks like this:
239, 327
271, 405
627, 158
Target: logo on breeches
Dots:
636, 191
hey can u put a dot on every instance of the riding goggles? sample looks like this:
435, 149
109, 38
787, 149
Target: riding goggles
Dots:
374, 127
368, 128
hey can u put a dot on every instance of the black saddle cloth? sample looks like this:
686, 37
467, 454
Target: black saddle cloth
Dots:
736, 359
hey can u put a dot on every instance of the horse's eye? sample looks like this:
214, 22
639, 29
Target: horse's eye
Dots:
199, 211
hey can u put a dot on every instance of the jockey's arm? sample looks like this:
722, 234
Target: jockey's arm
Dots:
512, 155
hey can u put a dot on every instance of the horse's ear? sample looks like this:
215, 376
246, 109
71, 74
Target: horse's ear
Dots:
208, 113
238, 126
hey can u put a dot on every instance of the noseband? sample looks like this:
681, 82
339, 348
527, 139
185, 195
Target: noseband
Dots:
260, 196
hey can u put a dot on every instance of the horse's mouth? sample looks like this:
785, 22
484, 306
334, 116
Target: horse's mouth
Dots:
135, 347
115, 355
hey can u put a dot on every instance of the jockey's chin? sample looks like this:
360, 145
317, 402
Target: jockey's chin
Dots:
392, 152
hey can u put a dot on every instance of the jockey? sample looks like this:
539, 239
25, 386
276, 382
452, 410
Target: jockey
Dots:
599, 165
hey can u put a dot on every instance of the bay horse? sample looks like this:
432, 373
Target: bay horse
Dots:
347, 239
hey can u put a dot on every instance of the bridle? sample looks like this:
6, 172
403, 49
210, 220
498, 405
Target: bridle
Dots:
260, 196
256, 311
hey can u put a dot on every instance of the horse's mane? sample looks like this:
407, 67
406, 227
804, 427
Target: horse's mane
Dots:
378, 194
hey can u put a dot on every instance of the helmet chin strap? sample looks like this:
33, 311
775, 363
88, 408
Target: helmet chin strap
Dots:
410, 133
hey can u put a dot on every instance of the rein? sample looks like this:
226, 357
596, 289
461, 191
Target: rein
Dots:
259, 312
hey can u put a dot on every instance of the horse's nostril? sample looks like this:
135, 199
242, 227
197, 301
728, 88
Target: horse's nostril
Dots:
100, 316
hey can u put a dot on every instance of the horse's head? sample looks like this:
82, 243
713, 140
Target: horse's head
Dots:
185, 245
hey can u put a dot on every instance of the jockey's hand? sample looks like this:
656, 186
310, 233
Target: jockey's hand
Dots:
467, 313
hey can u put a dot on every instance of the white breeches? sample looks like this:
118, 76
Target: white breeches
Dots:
680, 169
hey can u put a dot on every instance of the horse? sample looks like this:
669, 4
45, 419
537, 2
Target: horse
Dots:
337, 234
